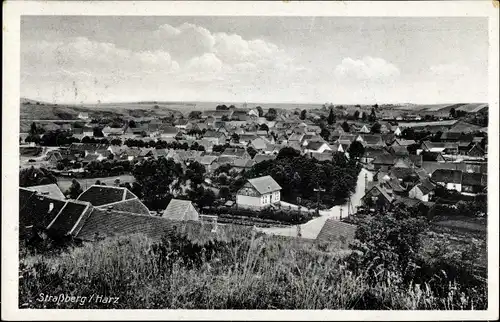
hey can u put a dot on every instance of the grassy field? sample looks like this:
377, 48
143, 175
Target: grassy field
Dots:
246, 271
64, 183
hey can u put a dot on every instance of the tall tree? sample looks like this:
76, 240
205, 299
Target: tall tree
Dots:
325, 134
345, 126
356, 150
260, 110
453, 112
376, 128
331, 118
74, 190
303, 115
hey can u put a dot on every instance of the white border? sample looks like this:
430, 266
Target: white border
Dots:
10, 157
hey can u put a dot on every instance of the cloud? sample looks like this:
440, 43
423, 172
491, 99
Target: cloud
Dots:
366, 69
451, 70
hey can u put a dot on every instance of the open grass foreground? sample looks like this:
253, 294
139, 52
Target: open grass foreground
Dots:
248, 271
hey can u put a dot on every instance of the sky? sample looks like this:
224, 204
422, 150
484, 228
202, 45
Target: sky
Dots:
349, 60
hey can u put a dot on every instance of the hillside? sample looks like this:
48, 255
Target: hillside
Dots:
37, 110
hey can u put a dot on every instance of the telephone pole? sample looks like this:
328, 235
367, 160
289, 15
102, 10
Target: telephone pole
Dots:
319, 190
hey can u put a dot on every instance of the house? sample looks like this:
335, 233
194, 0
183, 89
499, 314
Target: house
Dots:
263, 157
88, 131
364, 129
336, 231
397, 131
246, 138
476, 151
55, 217
53, 157
317, 147
83, 116
182, 210
208, 161
423, 191
168, 132
399, 151
442, 147
370, 140
235, 153
258, 193
242, 163
450, 179
215, 137
181, 124
371, 153
378, 197
473, 183
258, 144
402, 142
50, 190
113, 198
384, 161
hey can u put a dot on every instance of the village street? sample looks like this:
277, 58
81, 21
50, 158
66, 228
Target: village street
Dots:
312, 228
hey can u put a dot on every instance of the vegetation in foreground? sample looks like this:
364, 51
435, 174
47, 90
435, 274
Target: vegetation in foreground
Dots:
385, 268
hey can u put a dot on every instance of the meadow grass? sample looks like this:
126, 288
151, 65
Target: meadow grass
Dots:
255, 272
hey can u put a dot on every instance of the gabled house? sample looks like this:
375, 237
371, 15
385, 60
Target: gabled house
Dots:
476, 151
258, 193
113, 198
263, 157
215, 137
317, 147
180, 210
364, 129
450, 179
384, 161
235, 153
208, 161
377, 197
167, 132
258, 144
423, 191
473, 183
49, 190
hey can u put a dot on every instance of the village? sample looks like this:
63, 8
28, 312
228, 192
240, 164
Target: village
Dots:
94, 174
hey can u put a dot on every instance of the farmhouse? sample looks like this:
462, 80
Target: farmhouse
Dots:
182, 210
258, 193
450, 179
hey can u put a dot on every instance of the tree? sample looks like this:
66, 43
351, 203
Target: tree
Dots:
345, 127
132, 124
98, 132
251, 151
195, 172
376, 128
224, 118
116, 142
235, 137
325, 134
264, 127
155, 178
74, 190
288, 152
33, 129
260, 110
224, 192
331, 118
222, 107
303, 115
356, 150
34, 177
271, 114
356, 115
453, 112
387, 245
194, 115
373, 115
